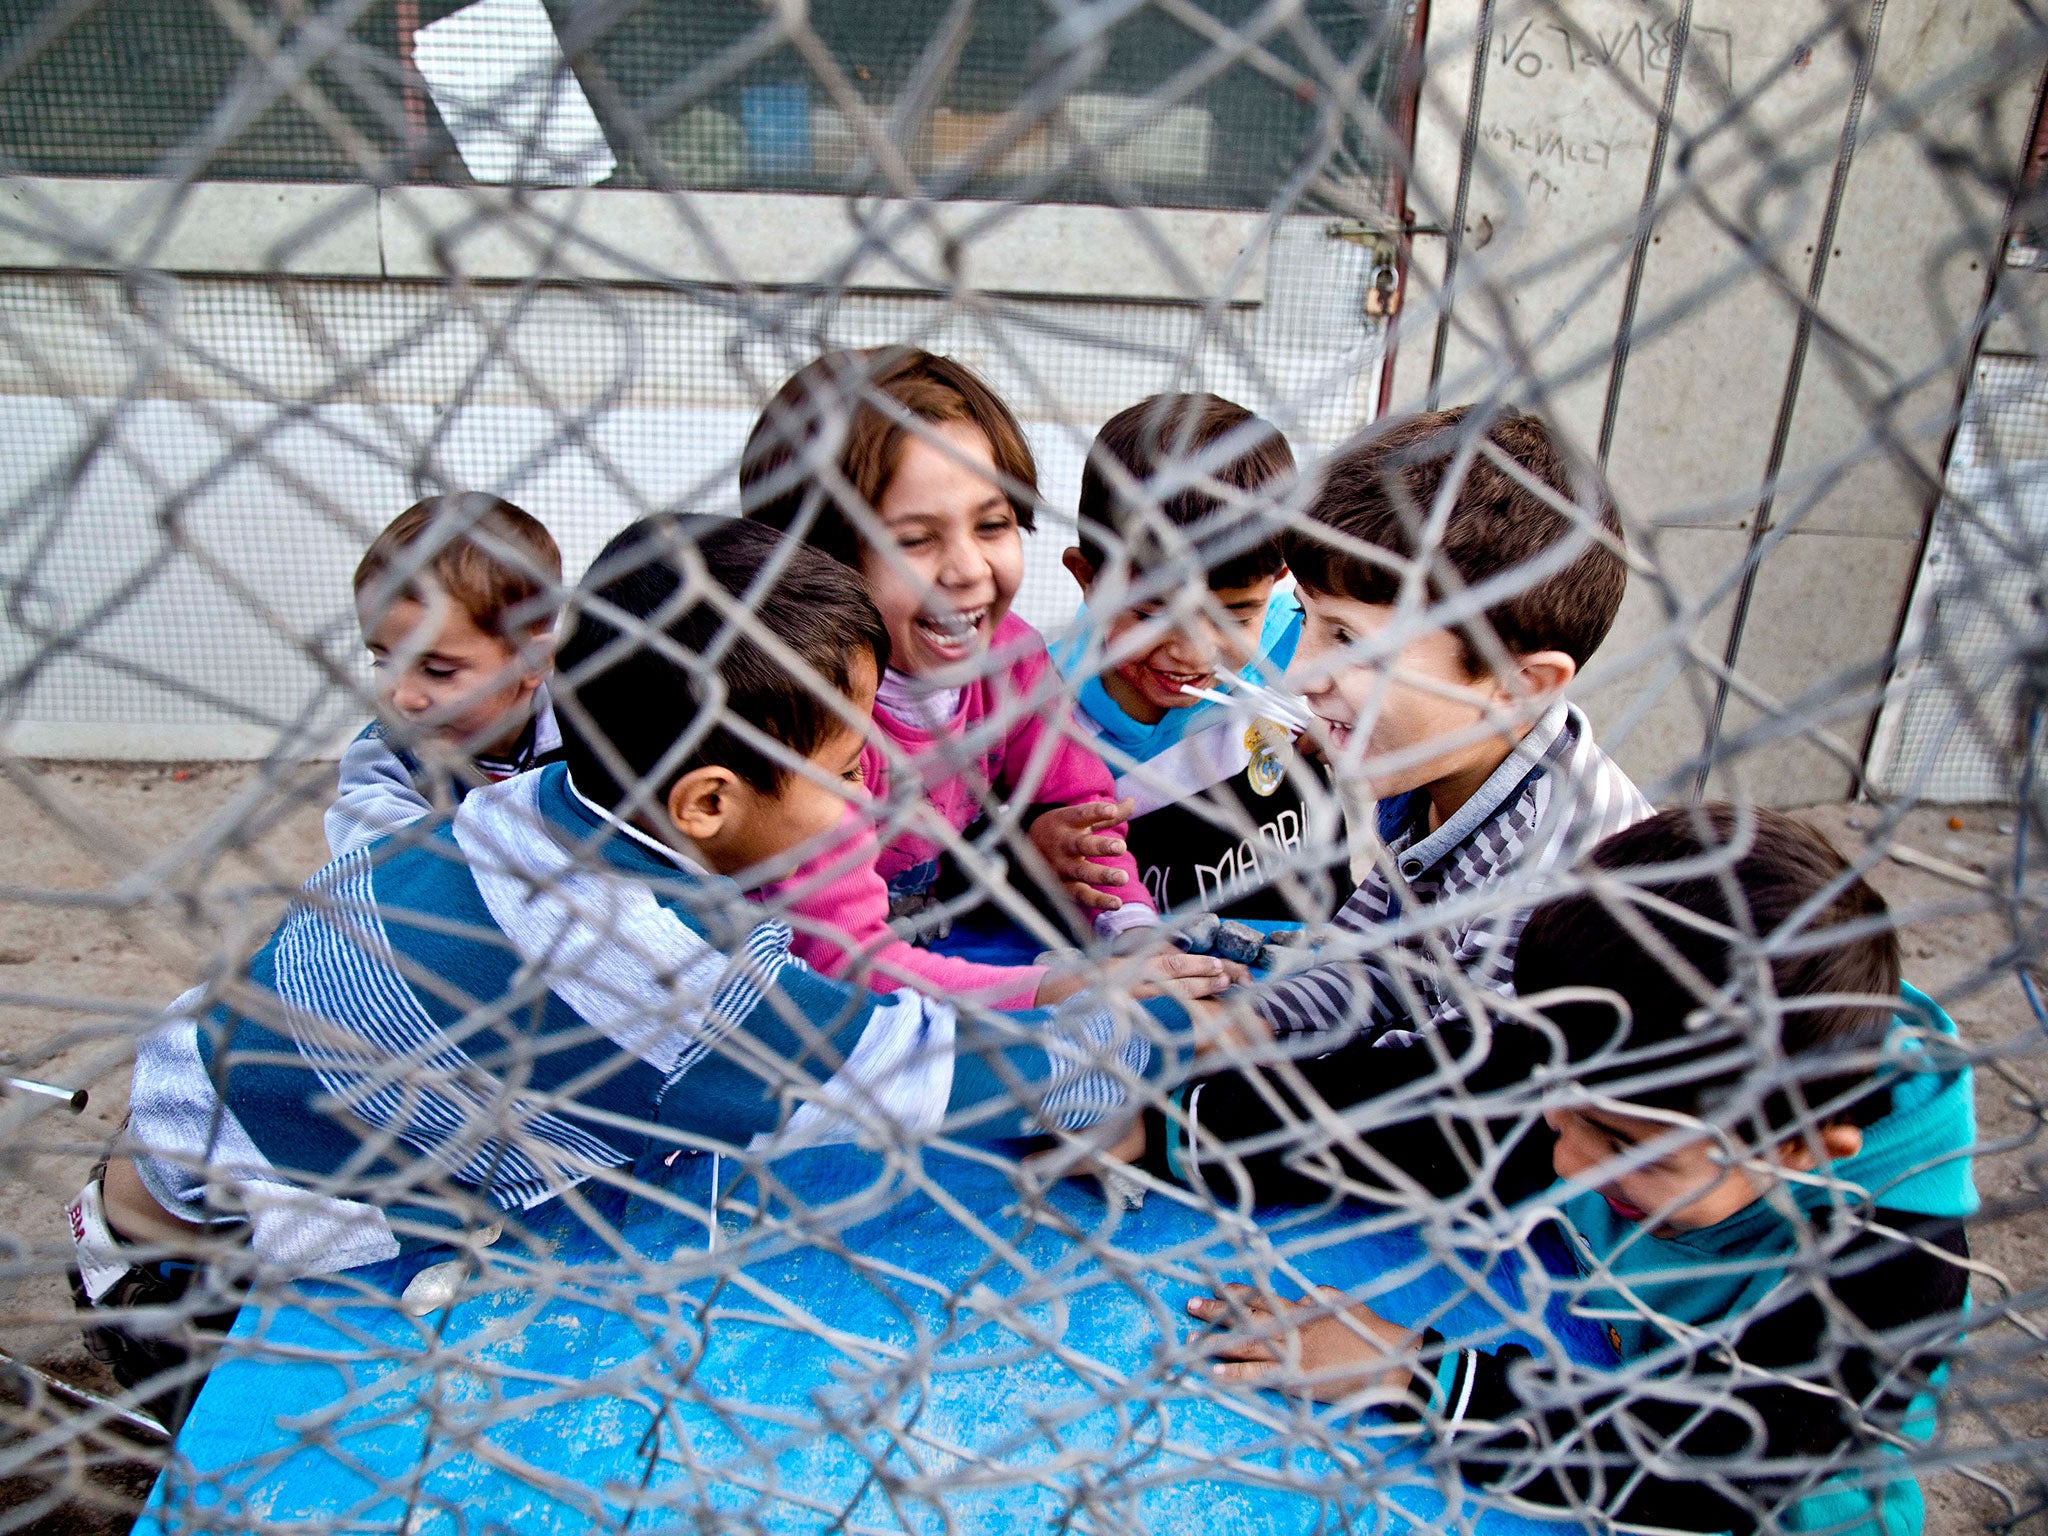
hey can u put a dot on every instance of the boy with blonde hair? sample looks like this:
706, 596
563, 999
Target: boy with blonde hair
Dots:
457, 598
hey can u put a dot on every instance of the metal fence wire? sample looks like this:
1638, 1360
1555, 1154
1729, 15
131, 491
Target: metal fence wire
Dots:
1219, 765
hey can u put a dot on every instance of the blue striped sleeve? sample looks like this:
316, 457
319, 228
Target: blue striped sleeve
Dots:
1054, 1068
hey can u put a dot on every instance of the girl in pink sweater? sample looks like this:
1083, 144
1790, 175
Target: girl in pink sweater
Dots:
908, 467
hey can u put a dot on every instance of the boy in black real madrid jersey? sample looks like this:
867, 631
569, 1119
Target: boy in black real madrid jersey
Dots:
1224, 814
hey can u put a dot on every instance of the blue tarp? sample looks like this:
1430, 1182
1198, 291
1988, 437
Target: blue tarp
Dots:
912, 1346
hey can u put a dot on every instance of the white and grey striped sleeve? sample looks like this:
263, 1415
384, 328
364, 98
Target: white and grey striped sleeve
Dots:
1340, 996
1568, 800
377, 795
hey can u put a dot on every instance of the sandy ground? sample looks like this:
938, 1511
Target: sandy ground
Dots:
121, 883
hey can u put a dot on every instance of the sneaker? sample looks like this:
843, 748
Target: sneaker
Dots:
136, 1351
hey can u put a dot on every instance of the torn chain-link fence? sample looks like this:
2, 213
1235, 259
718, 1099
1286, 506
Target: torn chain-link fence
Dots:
707, 1071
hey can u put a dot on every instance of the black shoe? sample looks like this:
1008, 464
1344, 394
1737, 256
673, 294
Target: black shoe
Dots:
140, 1354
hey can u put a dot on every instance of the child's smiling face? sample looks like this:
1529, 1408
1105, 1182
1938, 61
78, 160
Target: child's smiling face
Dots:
1226, 630
1419, 695
958, 554
468, 689
1688, 1180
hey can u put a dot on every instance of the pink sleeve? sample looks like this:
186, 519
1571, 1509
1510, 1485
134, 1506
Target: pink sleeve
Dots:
837, 907
1074, 774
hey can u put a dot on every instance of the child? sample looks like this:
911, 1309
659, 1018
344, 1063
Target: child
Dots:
1225, 816
578, 930
908, 468
457, 599
1481, 769
1762, 1170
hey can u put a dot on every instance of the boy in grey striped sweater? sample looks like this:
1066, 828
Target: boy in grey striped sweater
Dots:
1455, 575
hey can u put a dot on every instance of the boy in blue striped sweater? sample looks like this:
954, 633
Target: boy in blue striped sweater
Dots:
564, 981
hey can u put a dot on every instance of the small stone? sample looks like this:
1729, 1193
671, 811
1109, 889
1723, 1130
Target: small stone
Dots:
916, 918
437, 1285
1198, 933
16, 955
1288, 938
1235, 941
433, 1288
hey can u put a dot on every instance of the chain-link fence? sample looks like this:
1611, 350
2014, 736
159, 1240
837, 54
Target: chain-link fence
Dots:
1347, 839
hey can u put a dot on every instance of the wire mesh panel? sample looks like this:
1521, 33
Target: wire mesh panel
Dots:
607, 402
1174, 766
1976, 609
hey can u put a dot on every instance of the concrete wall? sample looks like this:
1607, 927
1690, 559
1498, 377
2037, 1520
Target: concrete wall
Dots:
1750, 214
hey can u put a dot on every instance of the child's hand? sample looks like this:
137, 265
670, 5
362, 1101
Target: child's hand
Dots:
1068, 840
1325, 1347
1129, 1147
1236, 1029
1187, 977
1056, 986
1227, 1028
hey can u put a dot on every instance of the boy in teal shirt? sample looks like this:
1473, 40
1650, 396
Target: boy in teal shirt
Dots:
1762, 1183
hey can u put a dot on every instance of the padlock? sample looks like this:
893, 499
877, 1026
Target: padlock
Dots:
1382, 292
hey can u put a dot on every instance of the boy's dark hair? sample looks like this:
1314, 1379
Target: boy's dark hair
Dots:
1180, 434
829, 406
497, 561
1746, 870
637, 693
1381, 492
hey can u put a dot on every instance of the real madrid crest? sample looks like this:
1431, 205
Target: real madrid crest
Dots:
1264, 770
